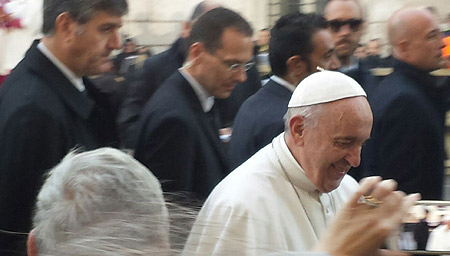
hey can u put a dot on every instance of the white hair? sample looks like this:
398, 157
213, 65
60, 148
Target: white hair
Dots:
309, 113
101, 202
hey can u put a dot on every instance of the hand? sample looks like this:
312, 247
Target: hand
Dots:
360, 229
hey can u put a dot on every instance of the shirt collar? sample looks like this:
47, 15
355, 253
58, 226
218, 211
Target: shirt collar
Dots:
287, 161
283, 83
76, 81
206, 100
354, 64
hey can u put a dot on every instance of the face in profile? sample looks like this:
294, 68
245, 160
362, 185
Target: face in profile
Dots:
345, 24
332, 147
225, 67
425, 44
93, 42
323, 54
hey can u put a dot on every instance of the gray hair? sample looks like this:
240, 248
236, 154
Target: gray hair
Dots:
101, 202
82, 11
309, 113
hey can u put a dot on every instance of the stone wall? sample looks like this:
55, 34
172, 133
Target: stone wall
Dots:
158, 23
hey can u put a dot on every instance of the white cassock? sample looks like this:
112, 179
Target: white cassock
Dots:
439, 239
255, 209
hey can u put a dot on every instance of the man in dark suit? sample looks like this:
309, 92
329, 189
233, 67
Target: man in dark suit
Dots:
177, 135
298, 45
48, 107
407, 141
161, 66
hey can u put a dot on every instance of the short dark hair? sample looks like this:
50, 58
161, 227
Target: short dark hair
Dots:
209, 28
292, 35
81, 11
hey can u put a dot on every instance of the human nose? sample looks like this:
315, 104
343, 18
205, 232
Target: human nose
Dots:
240, 75
345, 29
353, 157
114, 41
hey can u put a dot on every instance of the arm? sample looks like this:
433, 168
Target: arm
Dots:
167, 148
406, 146
31, 142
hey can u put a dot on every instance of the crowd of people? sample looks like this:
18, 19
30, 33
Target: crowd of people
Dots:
274, 166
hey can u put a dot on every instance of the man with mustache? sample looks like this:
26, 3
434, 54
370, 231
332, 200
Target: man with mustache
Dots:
177, 133
407, 140
47, 106
285, 196
346, 24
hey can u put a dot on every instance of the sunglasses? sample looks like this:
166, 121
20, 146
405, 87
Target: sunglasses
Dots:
354, 24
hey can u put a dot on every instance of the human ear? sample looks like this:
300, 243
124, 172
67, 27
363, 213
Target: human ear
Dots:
196, 52
65, 26
297, 129
296, 69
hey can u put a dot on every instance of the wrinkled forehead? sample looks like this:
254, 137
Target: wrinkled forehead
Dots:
355, 107
343, 10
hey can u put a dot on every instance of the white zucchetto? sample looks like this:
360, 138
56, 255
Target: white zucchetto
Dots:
323, 87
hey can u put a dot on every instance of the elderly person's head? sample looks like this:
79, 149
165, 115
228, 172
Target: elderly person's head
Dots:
101, 202
327, 122
416, 38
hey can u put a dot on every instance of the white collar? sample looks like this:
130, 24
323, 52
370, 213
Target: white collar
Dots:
291, 166
283, 82
206, 100
354, 64
76, 81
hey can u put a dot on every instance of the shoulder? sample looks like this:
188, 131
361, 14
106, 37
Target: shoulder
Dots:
260, 170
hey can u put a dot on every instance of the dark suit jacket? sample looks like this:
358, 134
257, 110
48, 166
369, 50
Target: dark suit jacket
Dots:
407, 140
143, 84
160, 67
363, 76
421, 234
176, 141
258, 121
42, 117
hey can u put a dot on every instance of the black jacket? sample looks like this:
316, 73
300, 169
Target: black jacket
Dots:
42, 117
407, 139
160, 67
259, 120
176, 141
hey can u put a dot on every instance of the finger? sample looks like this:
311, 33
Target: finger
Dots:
383, 189
410, 200
366, 185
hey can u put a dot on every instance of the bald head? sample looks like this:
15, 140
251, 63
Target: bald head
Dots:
416, 38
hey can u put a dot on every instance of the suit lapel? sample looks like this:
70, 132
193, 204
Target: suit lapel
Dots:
202, 120
74, 99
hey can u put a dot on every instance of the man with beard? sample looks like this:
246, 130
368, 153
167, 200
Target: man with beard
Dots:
346, 24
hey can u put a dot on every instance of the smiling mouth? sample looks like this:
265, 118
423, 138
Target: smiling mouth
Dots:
341, 170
